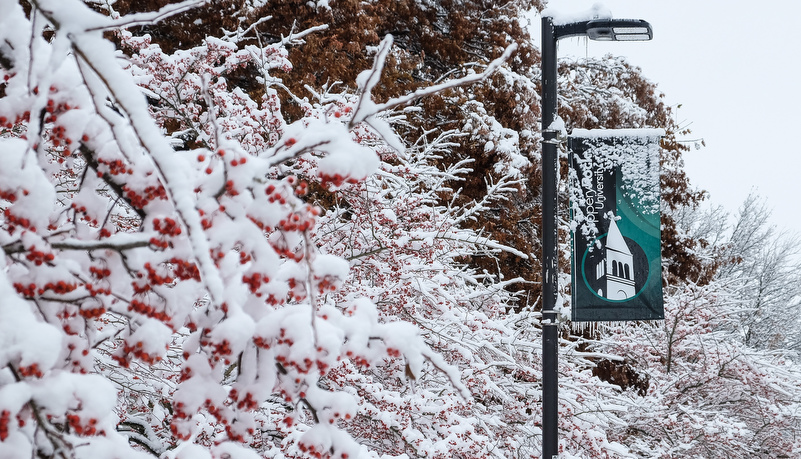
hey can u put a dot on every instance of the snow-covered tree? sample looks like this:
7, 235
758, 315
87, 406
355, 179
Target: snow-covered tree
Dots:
708, 395
168, 286
758, 265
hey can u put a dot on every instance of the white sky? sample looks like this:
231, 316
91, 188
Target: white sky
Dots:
734, 67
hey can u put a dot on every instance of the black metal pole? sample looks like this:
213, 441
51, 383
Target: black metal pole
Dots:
550, 171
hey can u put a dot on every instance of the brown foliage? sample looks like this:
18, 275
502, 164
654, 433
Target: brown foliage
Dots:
188, 29
621, 374
441, 40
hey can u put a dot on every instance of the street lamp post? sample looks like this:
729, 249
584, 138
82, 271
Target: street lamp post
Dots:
595, 29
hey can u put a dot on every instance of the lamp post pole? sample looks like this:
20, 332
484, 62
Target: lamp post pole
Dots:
595, 29
550, 171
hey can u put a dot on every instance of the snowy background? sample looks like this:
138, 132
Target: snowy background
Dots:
727, 69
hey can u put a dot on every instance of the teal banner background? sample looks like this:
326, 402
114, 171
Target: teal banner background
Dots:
615, 226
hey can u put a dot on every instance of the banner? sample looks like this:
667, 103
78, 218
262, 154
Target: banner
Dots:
615, 224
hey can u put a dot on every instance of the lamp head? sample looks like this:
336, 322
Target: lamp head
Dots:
619, 30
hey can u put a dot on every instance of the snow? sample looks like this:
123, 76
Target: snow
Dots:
326, 265
597, 11
24, 340
17, 446
368, 331
558, 125
233, 451
14, 396
24, 173
189, 451
150, 336
341, 156
619, 133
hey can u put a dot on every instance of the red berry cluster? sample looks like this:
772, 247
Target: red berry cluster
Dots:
205, 222
85, 217
137, 350
13, 221
57, 137
8, 195
54, 110
5, 417
154, 278
8, 124
185, 270
221, 419
140, 288
296, 222
59, 288
150, 193
229, 188
260, 224
273, 195
261, 342
326, 284
244, 403
97, 291
336, 180
254, 282
178, 415
239, 162
116, 167
38, 257
392, 352
297, 290
317, 452
222, 350
304, 367
89, 428
25, 290
185, 374
31, 370
282, 338
99, 273
344, 111
168, 227
92, 313
147, 310
358, 359
302, 188
217, 256
271, 299
159, 243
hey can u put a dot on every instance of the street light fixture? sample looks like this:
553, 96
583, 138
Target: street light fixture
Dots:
619, 30
594, 29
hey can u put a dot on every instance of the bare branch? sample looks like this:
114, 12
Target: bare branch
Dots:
139, 19
372, 77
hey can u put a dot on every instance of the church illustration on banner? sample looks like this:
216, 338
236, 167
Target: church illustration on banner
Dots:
614, 266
